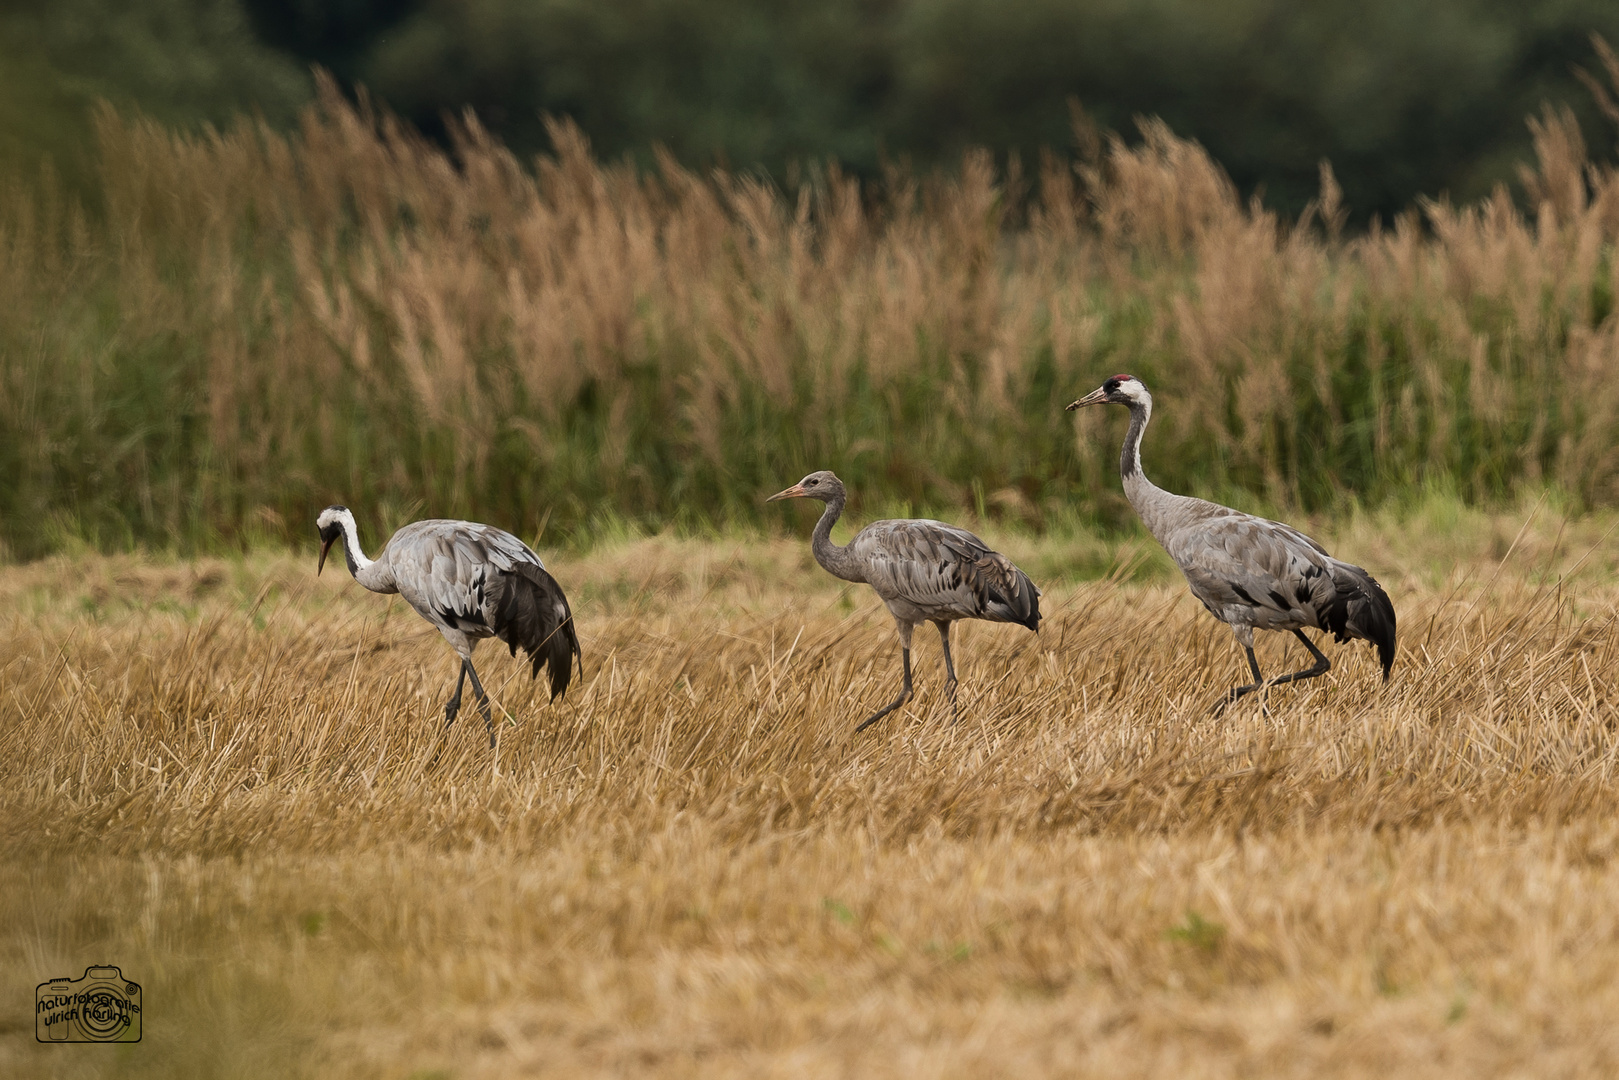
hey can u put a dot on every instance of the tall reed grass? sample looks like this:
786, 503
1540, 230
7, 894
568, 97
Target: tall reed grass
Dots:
253, 324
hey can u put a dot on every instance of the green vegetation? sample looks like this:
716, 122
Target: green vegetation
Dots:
184, 62
1404, 99
254, 325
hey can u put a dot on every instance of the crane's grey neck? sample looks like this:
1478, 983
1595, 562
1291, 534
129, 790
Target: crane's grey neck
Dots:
1130, 456
833, 559
1149, 501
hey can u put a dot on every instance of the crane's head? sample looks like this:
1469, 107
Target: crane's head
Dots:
821, 485
330, 524
1118, 390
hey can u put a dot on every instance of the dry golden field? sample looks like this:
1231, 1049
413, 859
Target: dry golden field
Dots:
232, 779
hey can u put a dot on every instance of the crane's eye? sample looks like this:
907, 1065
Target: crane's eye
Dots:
812, 483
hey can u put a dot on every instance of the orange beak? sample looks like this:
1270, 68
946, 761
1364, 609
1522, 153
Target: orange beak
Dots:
795, 492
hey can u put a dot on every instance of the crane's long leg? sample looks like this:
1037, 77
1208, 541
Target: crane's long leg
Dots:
453, 706
1321, 666
949, 667
905, 690
483, 702
1253, 665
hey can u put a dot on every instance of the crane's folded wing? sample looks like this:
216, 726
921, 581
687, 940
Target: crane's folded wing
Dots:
945, 572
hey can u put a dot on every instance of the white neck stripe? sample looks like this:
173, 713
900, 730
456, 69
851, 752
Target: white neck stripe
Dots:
351, 544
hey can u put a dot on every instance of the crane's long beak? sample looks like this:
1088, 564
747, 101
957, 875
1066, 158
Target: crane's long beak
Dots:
324, 548
1095, 397
795, 492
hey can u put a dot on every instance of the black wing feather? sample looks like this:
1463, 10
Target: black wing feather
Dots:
534, 614
1361, 609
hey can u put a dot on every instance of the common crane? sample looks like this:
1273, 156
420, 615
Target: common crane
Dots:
925, 571
1249, 572
471, 581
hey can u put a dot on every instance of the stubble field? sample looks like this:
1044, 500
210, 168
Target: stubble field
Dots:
233, 780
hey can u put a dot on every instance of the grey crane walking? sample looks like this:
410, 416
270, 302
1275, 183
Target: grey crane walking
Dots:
925, 571
471, 581
1249, 572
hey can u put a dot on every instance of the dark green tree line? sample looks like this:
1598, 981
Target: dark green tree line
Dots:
1404, 99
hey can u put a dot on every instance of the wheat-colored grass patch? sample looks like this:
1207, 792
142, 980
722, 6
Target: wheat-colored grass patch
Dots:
233, 780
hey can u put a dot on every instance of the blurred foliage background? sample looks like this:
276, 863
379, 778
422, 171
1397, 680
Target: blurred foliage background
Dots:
881, 241
183, 62
1404, 99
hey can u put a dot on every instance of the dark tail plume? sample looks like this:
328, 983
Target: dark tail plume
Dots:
1015, 601
535, 614
1363, 610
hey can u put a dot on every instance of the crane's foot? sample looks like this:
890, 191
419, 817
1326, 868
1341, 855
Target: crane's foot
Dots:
904, 687
1258, 683
1237, 693
905, 695
1314, 671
